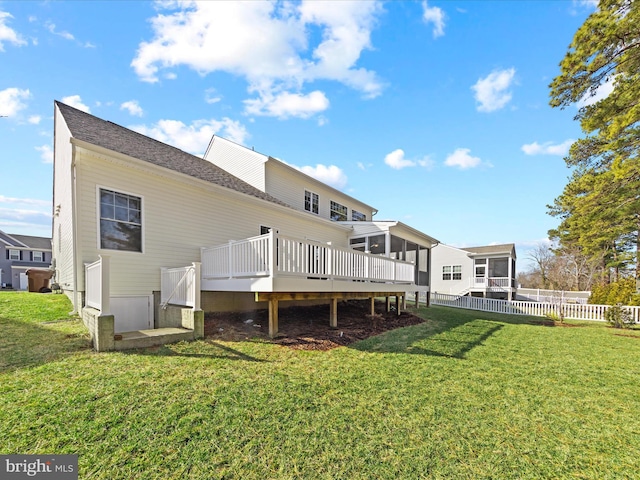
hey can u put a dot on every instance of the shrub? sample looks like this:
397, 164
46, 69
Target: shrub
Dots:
618, 316
623, 291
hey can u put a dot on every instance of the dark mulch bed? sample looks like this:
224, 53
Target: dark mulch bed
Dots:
307, 328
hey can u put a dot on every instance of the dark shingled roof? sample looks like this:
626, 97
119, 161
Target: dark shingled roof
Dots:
35, 243
111, 136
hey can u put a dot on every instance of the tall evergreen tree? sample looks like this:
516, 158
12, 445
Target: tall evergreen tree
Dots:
600, 206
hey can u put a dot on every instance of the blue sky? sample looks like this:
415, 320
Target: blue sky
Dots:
436, 113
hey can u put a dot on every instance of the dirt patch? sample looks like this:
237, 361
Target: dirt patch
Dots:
307, 328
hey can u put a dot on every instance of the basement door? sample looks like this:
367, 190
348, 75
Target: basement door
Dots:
132, 313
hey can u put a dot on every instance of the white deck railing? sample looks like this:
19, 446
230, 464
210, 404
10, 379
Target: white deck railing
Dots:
180, 286
492, 282
96, 285
572, 311
273, 255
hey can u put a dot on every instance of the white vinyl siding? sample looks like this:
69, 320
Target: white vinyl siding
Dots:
240, 161
181, 215
62, 201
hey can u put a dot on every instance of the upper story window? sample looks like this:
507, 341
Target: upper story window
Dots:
452, 272
311, 202
357, 216
14, 254
38, 256
338, 212
120, 221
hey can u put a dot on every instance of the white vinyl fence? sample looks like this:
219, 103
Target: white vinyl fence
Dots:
571, 311
181, 286
96, 283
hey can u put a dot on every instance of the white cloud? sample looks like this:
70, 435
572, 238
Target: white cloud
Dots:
331, 174
76, 102
25, 201
210, 96
34, 119
397, 161
11, 101
7, 34
492, 92
52, 28
602, 92
133, 107
285, 104
20, 214
434, 15
46, 153
548, 148
193, 138
462, 159
276, 46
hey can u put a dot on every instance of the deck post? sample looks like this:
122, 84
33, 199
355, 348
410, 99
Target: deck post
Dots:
417, 299
404, 301
398, 305
373, 305
333, 313
273, 317
388, 304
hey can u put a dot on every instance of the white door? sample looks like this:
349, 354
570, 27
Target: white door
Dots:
132, 313
24, 281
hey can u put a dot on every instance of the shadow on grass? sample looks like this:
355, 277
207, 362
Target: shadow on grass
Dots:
206, 349
28, 344
434, 338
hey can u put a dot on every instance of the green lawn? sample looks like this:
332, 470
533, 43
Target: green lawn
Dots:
464, 395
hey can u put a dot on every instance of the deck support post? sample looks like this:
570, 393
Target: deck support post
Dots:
333, 313
273, 317
398, 305
404, 302
417, 299
388, 303
373, 305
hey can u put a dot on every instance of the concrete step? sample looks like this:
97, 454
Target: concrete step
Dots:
151, 338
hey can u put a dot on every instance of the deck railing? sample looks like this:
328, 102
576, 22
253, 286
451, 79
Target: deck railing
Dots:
96, 284
273, 255
180, 286
492, 282
572, 311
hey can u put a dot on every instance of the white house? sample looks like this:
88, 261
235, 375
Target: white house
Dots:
140, 206
488, 271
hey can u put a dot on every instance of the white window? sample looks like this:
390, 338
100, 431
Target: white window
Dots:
38, 256
338, 212
457, 272
120, 221
311, 202
357, 216
14, 254
452, 272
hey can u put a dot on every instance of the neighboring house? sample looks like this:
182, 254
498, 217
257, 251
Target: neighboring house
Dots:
17, 254
147, 205
488, 271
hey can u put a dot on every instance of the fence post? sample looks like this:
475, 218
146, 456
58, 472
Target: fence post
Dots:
272, 253
196, 285
105, 290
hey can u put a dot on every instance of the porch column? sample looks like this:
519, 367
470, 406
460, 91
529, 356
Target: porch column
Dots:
273, 317
510, 271
333, 313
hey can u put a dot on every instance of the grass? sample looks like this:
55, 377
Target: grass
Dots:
463, 395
